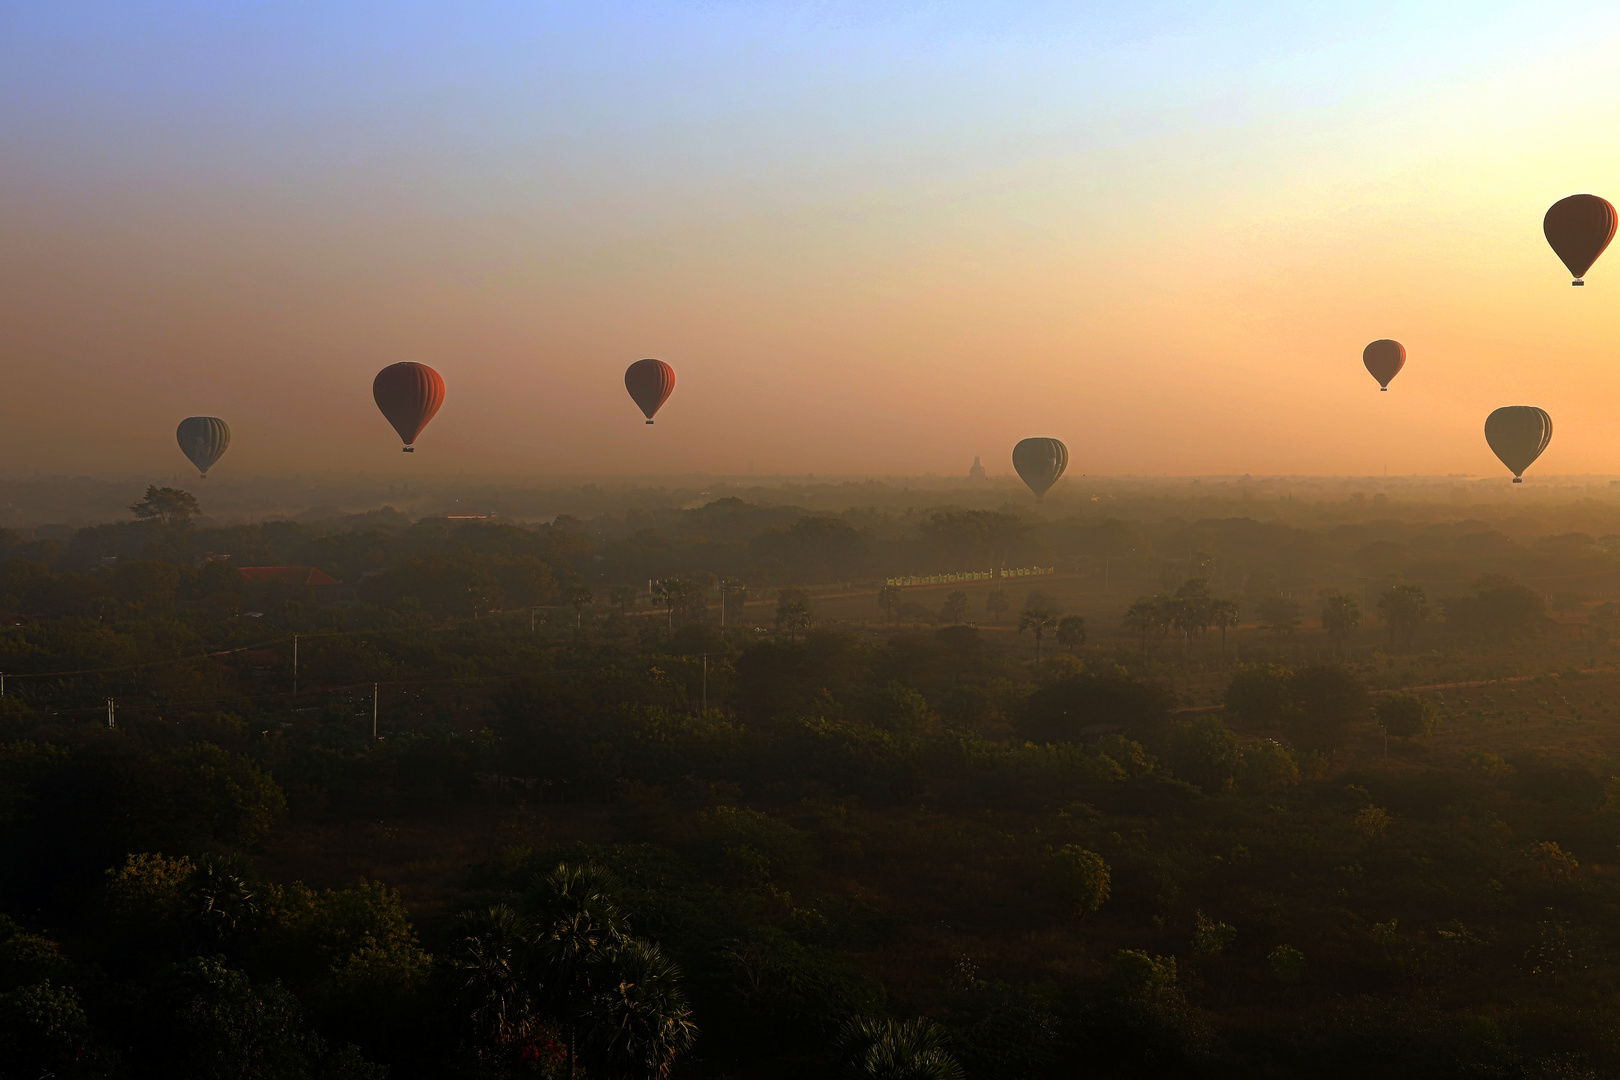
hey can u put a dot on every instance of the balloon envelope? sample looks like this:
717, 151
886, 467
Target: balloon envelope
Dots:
408, 395
1579, 228
1517, 434
1384, 358
203, 439
650, 383
1040, 462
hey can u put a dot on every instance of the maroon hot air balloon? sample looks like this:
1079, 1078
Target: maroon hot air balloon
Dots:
1384, 358
408, 395
1579, 228
650, 383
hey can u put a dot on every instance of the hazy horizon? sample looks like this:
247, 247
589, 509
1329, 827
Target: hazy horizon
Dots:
863, 238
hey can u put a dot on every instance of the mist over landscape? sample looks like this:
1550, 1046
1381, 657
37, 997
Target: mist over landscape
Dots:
781, 541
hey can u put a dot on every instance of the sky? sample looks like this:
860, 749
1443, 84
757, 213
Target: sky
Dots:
870, 239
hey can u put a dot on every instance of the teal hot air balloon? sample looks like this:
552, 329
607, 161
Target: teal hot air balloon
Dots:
203, 439
1040, 462
1517, 434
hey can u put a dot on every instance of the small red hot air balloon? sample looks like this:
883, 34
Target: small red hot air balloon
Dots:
1579, 228
650, 383
408, 395
1384, 358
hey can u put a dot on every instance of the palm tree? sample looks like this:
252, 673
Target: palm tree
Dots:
996, 602
882, 1049
955, 608
1404, 608
1147, 615
1071, 631
1224, 614
220, 897
580, 597
624, 596
673, 593
491, 967
1039, 620
575, 917
1341, 613
638, 1020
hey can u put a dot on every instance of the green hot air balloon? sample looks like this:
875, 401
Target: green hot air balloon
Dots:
1040, 462
1517, 435
203, 439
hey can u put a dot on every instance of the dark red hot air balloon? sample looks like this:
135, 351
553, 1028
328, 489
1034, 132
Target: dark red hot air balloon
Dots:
408, 395
650, 383
1579, 228
1384, 358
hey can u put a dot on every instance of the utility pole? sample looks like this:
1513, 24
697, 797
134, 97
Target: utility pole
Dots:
295, 665
705, 682
373, 712
110, 708
2, 684
531, 622
722, 612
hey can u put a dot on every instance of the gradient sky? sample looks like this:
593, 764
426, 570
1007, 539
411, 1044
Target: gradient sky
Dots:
872, 239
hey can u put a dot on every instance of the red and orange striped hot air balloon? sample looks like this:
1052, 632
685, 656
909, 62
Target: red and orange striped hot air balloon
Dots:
1384, 359
408, 395
650, 383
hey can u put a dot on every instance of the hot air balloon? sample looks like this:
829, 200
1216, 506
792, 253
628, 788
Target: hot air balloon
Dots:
1579, 228
1384, 358
408, 395
650, 383
203, 439
1517, 435
1040, 462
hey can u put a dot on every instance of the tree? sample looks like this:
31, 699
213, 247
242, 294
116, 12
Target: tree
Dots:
1148, 615
1063, 711
1223, 614
1500, 610
1071, 632
1279, 614
169, 505
1604, 621
1328, 699
1341, 614
1261, 696
220, 899
673, 593
1079, 879
1204, 751
793, 612
1404, 715
888, 599
637, 1021
624, 596
575, 917
883, 1049
579, 597
1404, 608
1038, 621
996, 603
491, 965
955, 608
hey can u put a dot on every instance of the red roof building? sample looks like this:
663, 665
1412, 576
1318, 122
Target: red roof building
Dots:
289, 575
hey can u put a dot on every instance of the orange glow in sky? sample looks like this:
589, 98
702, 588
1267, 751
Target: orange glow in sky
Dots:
870, 245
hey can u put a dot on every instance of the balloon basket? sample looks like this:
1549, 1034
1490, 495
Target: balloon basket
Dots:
1517, 480
408, 449
649, 423
1383, 389
1577, 282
